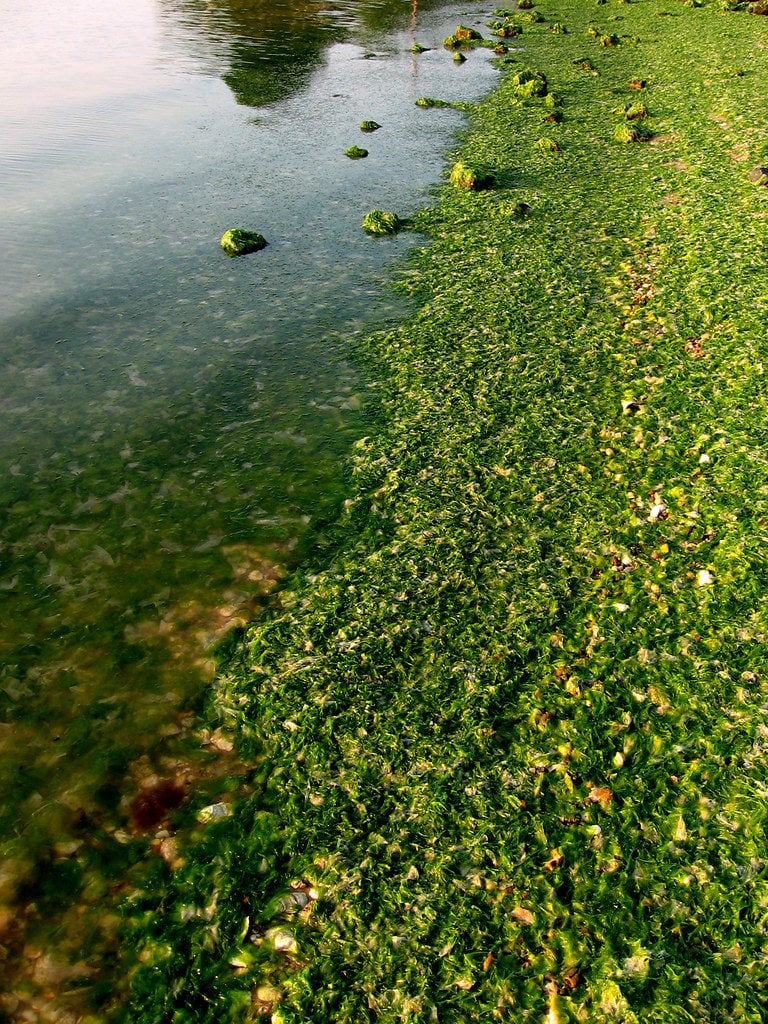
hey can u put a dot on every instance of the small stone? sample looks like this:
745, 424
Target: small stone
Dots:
759, 176
213, 812
283, 940
369, 126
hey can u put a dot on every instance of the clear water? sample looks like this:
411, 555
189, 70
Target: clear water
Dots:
173, 422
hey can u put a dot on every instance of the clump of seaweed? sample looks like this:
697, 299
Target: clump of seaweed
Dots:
609, 39
240, 242
525, 5
369, 126
427, 102
558, 28
507, 30
472, 176
464, 34
458, 58
356, 153
633, 111
547, 144
632, 133
519, 208
418, 48
381, 222
533, 17
528, 83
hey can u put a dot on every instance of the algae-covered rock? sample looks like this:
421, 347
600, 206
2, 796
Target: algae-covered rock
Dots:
418, 48
471, 176
459, 58
369, 126
759, 176
239, 242
465, 34
381, 222
426, 102
547, 144
759, 7
356, 153
525, 5
632, 133
528, 83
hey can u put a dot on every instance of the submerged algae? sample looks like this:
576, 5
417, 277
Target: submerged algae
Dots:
513, 729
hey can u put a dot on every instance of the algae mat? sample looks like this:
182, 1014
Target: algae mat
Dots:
512, 737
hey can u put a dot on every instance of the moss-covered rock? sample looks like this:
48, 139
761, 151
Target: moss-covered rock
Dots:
418, 48
369, 126
356, 153
632, 133
458, 58
427, 102
472, 176
239, 242
381, 222
528, 83
759, 176
465, 34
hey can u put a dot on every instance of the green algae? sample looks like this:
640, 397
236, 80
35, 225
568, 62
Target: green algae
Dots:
512, 731
240, 242
369, 126
356, 153
381, 222
472, 176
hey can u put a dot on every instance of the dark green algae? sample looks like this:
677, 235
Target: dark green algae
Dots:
510, 738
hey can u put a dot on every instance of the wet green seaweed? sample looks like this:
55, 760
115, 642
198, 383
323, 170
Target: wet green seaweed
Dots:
513, 731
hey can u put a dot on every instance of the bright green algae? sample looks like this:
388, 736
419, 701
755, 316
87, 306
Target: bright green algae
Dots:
512, 739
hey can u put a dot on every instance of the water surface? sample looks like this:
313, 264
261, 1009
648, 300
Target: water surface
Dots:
174, 422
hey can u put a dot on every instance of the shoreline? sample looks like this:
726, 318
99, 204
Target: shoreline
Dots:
511, 737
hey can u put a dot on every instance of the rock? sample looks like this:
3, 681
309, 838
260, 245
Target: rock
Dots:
369, 126
471, 176
381, 222
282, 939
459, 58
239, 242
465, 34
759, 176
356, 153
213, 812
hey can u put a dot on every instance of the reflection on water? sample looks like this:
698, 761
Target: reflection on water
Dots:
173, 422
271, 48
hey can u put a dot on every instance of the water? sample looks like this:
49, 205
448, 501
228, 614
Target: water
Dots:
174, 422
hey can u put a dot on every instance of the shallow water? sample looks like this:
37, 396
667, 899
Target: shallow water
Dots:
174, 422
